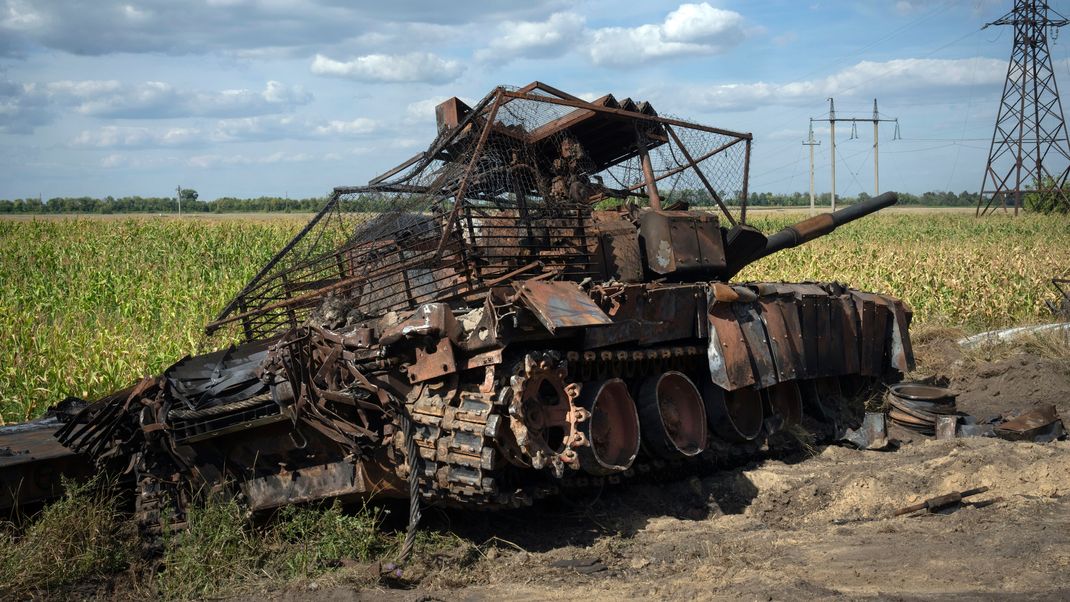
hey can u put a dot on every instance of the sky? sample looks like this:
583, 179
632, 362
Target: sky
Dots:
251, 98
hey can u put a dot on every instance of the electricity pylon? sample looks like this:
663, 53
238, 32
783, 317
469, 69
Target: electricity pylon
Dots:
1030, 153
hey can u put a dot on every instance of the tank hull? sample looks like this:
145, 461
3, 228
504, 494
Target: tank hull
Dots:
535, 390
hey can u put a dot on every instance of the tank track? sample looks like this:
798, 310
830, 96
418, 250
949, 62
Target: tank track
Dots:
456, 444
461, 431
158, 506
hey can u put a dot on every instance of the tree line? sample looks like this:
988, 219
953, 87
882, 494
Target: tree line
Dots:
190, 204
264, 204
802, 199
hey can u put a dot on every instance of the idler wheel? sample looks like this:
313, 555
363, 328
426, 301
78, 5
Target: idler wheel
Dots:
672, 415
612, 429
736, 415
785, 400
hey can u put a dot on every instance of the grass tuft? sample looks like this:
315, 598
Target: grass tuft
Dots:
222, 552
79, 538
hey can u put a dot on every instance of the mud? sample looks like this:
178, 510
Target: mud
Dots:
817, 527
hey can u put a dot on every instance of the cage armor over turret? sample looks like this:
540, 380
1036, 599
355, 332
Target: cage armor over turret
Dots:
539, 300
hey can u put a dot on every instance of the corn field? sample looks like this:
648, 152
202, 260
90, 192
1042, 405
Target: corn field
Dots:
89, 305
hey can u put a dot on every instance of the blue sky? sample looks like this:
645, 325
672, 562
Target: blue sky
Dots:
292, 97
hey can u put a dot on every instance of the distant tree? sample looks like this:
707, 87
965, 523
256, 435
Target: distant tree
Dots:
188, 195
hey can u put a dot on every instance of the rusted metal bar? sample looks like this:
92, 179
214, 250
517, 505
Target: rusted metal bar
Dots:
316, 293
408, 162
676, 170
941, 501
439, 144
629, 114
459, 195
331, 202
746, 176
701, 176
537, 85
648, 172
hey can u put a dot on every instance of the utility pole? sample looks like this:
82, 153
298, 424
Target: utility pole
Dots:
178, 192
1030, 134
876, 152
811, 143
876, 119
832, 122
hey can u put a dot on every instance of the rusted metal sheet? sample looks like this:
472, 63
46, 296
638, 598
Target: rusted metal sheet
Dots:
873, 434
617, 249
560, 305
848, 313
1041, 423
729, 357
679, 242
757, 343
334, 480
784, 341
434, 364
828, 342
900, 351
869, 335
32, 463
649, 314
670, 313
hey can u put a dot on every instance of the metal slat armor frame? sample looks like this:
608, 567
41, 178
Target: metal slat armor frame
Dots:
505, 190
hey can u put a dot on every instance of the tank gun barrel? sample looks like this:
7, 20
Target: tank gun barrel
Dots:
820, 225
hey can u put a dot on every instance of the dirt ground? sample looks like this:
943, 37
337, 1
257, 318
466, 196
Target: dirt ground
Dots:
813, 527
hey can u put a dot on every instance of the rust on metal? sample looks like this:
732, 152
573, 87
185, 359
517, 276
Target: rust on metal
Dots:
560, 305
672, 415
467, 329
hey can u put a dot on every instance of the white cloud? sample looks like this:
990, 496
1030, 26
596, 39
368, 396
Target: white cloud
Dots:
135, 161
691, 29
159, 99
247, 129
412, 67
534, 39
289, 127
211, 161
25, 106
423, 111
209, 26
979, 7
930, 77
360, 125
120, 136
22, 108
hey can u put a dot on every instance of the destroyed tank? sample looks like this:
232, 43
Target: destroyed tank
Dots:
535, 302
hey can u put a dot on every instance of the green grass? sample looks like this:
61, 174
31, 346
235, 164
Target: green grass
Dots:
89, 305
73, 541
223, 552
83, 540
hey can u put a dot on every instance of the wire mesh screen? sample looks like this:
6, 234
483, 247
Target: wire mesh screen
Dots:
526, 165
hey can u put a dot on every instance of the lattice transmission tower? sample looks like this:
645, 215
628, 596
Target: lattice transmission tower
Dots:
1029, 158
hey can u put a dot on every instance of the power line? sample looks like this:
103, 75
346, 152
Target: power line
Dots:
876, 119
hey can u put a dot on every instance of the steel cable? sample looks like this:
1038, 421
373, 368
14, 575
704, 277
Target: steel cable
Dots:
413, 458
